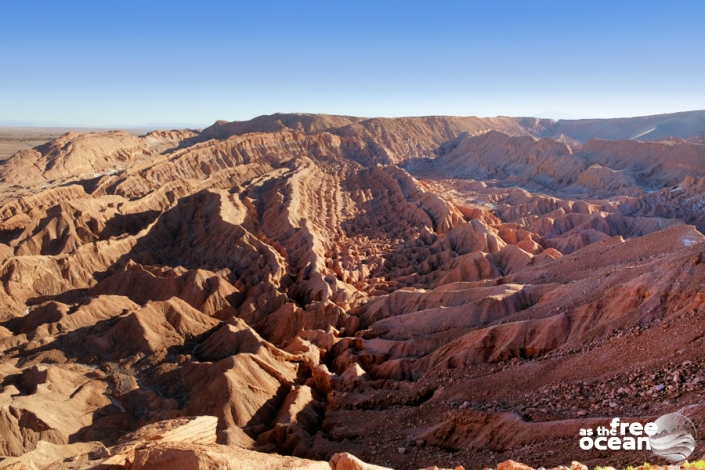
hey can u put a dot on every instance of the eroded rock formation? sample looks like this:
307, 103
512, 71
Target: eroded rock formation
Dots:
418, 291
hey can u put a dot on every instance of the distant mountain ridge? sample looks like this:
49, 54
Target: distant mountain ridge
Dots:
687, 125
683, 125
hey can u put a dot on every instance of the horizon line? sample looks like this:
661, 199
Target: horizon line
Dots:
11, 123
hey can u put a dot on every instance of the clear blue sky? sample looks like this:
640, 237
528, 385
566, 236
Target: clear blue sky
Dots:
103, 62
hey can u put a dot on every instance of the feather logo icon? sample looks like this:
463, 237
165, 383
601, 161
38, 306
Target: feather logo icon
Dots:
675, 439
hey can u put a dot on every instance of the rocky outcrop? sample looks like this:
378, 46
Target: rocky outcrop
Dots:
186, 444
411, 291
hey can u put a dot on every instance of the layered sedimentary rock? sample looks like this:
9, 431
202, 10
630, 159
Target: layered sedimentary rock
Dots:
417, 291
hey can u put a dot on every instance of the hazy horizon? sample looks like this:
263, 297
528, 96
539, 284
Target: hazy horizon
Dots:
127, 64
177, 125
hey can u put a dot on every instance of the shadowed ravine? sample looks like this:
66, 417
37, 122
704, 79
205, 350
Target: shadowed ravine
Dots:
413, 291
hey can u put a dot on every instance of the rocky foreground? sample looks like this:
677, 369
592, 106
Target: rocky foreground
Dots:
190, 444
414, 292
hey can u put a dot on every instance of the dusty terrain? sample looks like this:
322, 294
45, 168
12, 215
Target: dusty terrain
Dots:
14, 139
415, 291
